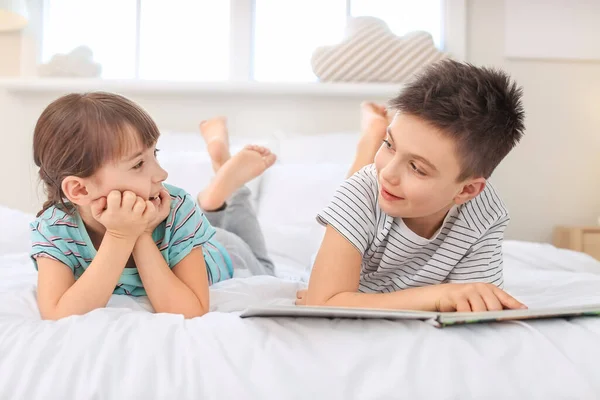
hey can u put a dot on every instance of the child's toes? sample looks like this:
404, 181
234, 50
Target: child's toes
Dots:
269, 159
263, 151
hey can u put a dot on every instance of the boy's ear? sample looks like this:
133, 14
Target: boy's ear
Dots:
75, 190
470, 190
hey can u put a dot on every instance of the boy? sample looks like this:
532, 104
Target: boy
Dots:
421, 228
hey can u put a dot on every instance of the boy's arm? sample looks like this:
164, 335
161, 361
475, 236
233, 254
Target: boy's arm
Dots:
182, 290
335, 278
59, 295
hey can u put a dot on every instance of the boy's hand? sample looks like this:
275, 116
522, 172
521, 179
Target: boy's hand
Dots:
160, 213
466, 297
124, 215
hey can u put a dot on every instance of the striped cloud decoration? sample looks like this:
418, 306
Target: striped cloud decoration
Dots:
370, 52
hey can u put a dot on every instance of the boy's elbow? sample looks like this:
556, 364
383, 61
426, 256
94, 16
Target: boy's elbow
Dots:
341, 299
318, 301
312, 302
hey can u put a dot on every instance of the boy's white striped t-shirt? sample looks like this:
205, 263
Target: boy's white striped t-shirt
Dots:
467, 247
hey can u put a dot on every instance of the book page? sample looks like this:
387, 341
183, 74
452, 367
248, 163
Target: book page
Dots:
507, 315
334, 312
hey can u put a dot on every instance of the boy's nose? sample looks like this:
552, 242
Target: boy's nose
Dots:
390, 175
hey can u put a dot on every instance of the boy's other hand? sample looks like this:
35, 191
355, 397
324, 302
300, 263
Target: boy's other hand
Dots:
467, 297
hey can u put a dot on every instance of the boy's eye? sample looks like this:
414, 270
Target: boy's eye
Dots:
156, 152
138, 165
387, 143
416, 169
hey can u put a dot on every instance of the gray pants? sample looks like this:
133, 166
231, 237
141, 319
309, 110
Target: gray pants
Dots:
239, 232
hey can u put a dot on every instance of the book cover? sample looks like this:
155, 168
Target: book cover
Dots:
437, 319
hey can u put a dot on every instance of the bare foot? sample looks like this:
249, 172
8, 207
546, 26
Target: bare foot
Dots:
374, 121
240, 169
214, 132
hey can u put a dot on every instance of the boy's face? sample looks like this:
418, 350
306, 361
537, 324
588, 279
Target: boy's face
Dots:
418, 169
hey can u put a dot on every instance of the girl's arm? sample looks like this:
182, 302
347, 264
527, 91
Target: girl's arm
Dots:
183, 290
125, 217
59, 295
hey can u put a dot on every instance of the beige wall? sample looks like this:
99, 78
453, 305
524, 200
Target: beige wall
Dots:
10, 54
18, 50
553, 176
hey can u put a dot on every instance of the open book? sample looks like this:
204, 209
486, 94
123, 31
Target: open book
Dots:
435, 318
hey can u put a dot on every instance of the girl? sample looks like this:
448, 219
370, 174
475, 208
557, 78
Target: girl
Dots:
111, 226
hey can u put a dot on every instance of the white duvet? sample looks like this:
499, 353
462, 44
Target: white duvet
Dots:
125, 351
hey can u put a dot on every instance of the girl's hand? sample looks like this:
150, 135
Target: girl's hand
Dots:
465, 297
160, 211
124, 215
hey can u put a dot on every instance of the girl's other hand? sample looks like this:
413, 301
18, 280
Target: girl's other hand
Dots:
161, 207
124, 215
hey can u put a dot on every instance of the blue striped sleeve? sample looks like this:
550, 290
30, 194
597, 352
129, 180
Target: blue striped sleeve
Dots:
190, 229
48, 241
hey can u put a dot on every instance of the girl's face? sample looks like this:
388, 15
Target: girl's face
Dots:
137, 171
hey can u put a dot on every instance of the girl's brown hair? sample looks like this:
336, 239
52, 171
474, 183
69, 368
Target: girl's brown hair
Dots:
78, 133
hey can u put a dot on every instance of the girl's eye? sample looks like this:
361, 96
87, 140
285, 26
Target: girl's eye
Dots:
387, 143
138, 165
416, 169
156, 152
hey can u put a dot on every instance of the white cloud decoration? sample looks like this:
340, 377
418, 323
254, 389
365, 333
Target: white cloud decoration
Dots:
78, 63
371, 52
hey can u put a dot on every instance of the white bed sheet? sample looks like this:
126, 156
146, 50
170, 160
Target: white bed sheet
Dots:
126, 352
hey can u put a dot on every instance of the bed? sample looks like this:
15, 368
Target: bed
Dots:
125, 351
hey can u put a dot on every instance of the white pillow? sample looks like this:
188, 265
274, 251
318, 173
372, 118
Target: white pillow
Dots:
328, 148
184, 157
291, 196
15, 233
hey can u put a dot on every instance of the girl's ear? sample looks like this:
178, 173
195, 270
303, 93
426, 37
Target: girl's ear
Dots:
76, 191
470, 190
